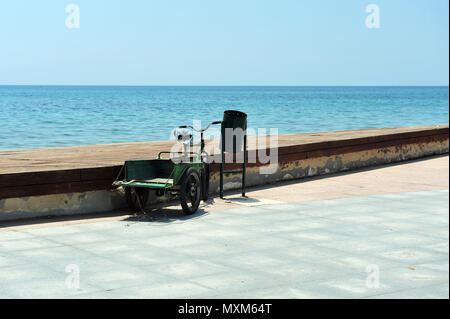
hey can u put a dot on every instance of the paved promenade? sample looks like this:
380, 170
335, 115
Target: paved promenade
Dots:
380, 233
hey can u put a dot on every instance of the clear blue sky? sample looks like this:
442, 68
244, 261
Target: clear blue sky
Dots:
226, 42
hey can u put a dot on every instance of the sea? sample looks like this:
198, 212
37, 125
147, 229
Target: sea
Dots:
55, 116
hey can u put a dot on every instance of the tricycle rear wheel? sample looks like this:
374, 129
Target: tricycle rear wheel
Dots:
134, 195
190, 191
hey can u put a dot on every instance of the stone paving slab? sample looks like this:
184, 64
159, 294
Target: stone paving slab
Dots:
315, 249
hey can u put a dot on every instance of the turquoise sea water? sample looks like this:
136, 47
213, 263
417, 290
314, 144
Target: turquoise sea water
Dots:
46, 116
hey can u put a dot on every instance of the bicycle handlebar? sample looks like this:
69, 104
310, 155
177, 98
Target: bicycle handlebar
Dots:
191, 127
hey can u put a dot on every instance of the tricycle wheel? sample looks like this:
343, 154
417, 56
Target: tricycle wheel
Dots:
134, 195
205, 181
190, 191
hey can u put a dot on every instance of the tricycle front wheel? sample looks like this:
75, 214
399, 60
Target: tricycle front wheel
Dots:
190, 191
136, 198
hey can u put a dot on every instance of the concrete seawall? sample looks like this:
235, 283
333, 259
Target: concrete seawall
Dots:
77, 180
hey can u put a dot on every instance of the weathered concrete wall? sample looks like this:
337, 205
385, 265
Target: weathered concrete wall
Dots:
60, 204
332, 164
108, 200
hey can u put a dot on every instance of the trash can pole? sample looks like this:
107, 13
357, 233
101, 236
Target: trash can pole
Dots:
244, 164
222, 163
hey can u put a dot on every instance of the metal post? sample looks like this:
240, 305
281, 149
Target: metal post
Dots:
222, 163
244, 164
202, 147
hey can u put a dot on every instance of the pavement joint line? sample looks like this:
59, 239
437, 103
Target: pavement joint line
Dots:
400, 290
393, 231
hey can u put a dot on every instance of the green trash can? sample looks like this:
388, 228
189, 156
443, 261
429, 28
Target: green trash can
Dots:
235, 122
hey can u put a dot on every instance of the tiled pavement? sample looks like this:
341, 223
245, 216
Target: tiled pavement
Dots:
378, 246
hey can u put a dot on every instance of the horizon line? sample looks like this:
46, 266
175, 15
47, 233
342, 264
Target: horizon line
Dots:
220, 85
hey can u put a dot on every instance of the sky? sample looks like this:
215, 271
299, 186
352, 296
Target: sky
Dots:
224, 42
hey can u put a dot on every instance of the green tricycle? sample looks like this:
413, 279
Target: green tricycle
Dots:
185, 176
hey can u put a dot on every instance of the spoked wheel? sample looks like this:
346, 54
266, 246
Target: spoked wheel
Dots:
136, 198
190, 191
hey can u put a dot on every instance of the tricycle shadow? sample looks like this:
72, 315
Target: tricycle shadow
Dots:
169, 213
